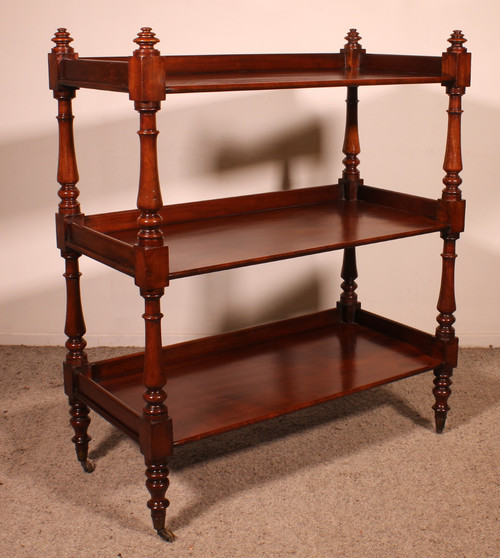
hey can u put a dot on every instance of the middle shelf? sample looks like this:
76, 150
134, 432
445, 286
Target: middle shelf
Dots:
214, 235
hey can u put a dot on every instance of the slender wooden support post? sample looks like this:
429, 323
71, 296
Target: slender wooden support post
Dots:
445, 330
348, 303
350, 180
156, 434
353, 54
351, 148
453, 208
149, 199
69, 208
446, 302
76, 356
156, 429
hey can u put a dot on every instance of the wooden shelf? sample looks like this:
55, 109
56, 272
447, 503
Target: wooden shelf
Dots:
224, 382
188, 74
287, 80
213, 235
235, 379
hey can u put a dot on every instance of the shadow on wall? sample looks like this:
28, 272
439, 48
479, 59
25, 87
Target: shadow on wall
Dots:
242, 144
261, 137
301, 141
196, 142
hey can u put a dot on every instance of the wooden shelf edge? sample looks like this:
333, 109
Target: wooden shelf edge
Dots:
104, 403
192, 73
226, 381
299, 222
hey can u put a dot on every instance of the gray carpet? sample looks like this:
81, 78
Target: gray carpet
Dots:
363, 476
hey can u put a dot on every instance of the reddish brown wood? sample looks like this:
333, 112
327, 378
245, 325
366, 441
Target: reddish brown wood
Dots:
227, 381
349, 273
350, 180
155, 436
351, 148
80, 422
157, 484
69, 208
230, 380
404, 65
291, 80
106, 75
214, 244
149, 199
202, 237
454, 208
184, 74
146, 70
353, 53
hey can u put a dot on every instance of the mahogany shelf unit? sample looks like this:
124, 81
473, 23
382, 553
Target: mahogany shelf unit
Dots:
230, 380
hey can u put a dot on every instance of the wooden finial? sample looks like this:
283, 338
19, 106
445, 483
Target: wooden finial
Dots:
146, 40
62, 39
457, 41
352, 51
352, 39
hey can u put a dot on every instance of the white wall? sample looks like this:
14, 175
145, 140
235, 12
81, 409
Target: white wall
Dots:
402, 139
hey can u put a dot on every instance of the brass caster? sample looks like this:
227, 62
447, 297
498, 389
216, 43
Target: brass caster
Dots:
88, 465
166, 535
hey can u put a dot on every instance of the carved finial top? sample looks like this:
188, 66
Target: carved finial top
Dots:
62, 39
352, 39
146, 40
457, 41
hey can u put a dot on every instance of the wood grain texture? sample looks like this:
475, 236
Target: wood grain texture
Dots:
228, 233
230, 380
237, 379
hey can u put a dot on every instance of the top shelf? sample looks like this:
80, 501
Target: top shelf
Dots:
185, 74
147, 76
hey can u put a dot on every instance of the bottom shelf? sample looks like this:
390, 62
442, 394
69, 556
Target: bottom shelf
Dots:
223, 382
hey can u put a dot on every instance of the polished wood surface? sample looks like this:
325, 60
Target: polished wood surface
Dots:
167, 396
69, 208
211, 240
214, 244
191, 74
274, 375
454, 206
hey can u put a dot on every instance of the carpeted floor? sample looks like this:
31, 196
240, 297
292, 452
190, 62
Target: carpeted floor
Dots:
363, 476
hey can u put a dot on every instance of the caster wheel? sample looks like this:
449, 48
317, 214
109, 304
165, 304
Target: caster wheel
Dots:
166, 535
88, 465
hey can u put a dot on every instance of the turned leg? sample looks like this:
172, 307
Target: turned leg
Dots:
76, 356
453, 208
68, 211
442, 392
155, 436
157, 483
80, 422
348, 304
446, 332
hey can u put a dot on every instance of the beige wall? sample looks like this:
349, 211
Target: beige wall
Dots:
221, 145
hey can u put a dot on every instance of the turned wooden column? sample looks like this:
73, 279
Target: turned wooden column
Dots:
69, 209
350, 180
156, 430
455, 60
